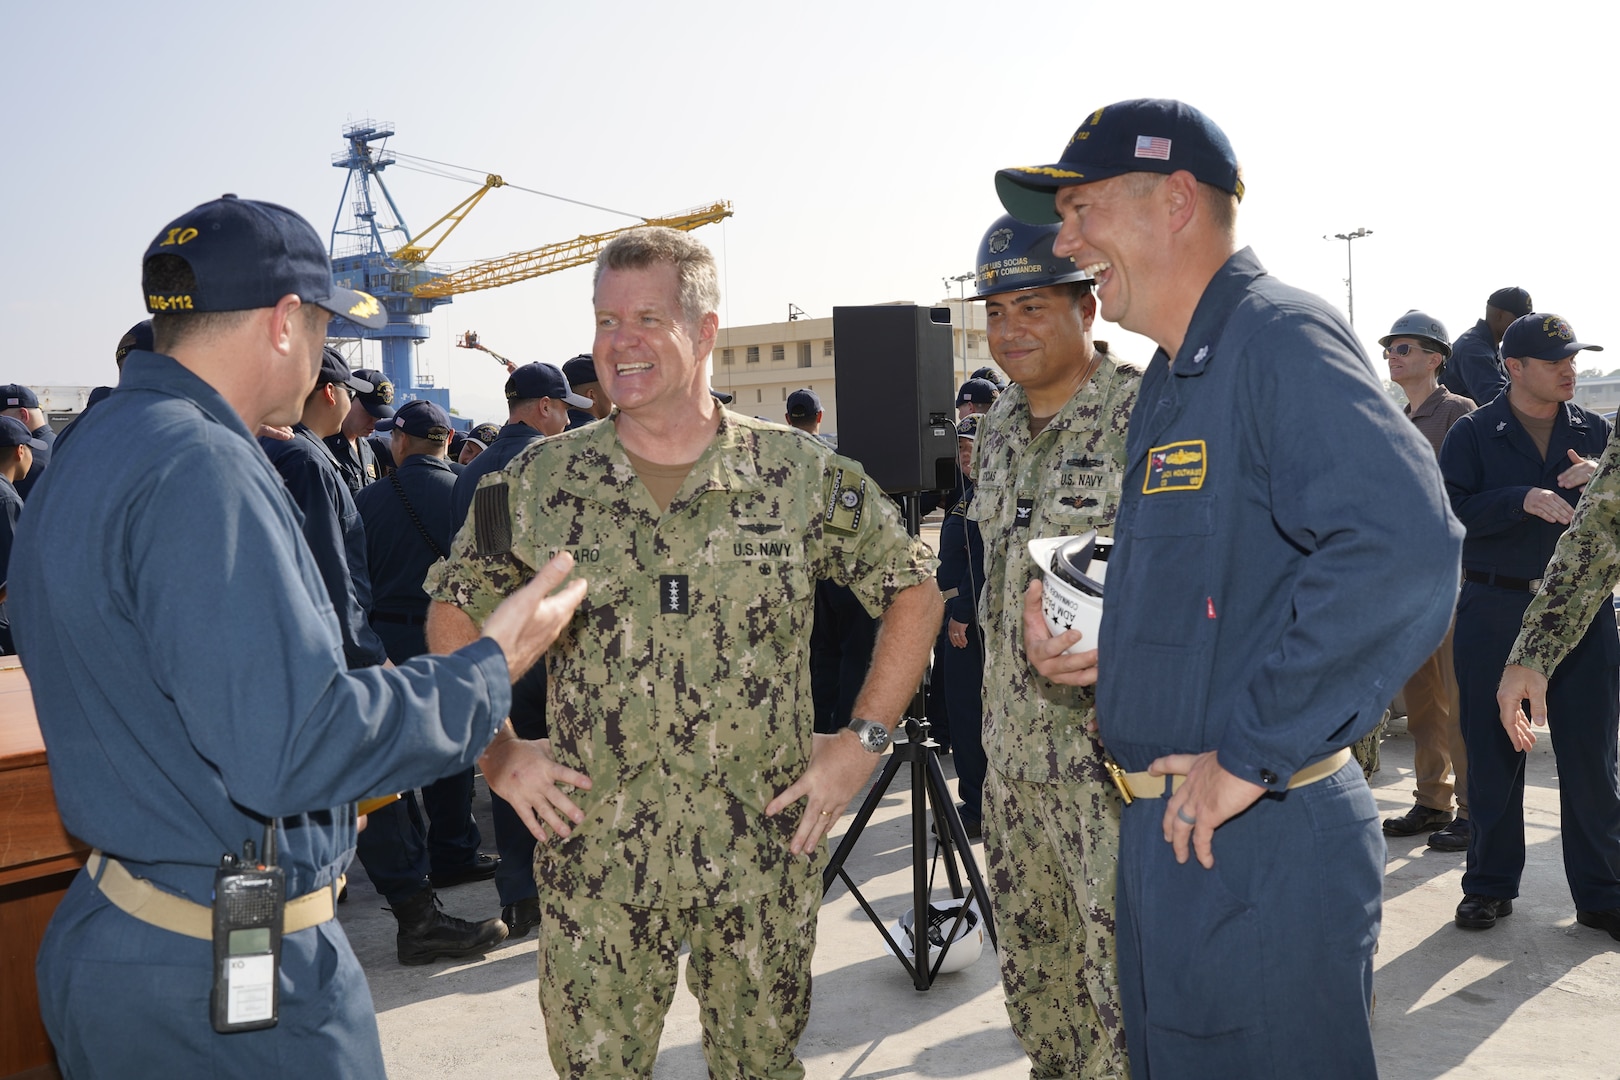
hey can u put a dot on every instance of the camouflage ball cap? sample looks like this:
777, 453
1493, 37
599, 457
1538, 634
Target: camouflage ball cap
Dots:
1144, 135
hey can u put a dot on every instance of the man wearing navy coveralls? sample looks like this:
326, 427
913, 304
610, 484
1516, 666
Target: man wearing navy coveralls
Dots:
1515, 469
1249, 635
190, 679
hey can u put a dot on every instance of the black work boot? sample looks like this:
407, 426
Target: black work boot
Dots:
1419, 819
426, 933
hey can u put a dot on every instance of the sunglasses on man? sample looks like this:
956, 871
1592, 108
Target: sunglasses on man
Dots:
1404, 348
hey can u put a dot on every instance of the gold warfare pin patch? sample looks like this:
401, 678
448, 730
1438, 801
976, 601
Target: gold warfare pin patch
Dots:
1177, 466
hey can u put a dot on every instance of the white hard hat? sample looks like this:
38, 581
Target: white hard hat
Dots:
967, 939
1071, 585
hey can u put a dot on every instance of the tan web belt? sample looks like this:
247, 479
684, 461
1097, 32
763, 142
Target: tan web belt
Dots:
140, 899
1144, 785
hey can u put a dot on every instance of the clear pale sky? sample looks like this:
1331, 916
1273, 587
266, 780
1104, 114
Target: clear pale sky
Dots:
857, 141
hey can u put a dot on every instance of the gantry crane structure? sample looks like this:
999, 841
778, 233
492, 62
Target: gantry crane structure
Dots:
373, 250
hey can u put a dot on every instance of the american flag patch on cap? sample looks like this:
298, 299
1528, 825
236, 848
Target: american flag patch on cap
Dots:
1151, 146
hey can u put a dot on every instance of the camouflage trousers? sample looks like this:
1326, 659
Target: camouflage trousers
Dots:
608, 974
1052, 852
1366, 749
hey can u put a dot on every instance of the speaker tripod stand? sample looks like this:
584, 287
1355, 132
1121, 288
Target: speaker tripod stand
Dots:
921, 753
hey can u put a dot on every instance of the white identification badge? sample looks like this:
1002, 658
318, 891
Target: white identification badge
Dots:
250, 986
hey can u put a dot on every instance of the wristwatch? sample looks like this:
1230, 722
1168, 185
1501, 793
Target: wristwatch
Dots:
873, 736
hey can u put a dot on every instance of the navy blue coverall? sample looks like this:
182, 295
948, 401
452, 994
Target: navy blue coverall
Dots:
11, 505
336, 537
1271, 488
190, 683
357, 463
42, 458
392, 848
1489, 465
842, 637
514, 878
961, 567
1474, 368
399, 557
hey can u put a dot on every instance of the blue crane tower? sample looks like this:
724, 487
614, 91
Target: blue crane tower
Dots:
372, 250
367, 238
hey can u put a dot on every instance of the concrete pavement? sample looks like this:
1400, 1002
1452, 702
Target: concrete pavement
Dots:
1538, 995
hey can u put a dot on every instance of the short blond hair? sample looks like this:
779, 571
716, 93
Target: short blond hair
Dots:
697, 278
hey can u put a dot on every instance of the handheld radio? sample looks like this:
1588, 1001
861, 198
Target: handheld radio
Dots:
249, 899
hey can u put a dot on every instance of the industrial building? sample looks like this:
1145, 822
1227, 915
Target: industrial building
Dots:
762, 364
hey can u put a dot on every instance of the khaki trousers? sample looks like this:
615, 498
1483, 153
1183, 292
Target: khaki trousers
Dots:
1434, 720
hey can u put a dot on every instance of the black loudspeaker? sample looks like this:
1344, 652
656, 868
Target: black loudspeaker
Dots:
896, 401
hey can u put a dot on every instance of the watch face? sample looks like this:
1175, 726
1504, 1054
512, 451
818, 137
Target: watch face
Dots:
873, 736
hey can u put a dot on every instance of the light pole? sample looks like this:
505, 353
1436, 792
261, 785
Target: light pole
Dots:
1350, 265
961, 307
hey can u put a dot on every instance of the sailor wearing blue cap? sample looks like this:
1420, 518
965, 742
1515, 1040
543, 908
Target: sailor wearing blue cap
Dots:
1515, 468
541, 402
352, 445
582, 382
1251, 633
191, 683
17, 449
1475, 369
409, 525
331, 525
22, 404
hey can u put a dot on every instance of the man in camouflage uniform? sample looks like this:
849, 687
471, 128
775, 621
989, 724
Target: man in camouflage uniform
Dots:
682, 792
1573, 604
1047, 463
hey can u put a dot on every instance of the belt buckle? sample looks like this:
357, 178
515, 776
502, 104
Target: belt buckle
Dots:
1117, 775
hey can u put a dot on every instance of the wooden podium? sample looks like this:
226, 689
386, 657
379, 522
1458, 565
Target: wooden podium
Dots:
37, 862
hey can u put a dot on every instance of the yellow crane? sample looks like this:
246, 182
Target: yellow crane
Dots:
374, 252
522, 265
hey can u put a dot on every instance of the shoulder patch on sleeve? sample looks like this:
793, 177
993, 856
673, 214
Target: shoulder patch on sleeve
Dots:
846, 502
492, 520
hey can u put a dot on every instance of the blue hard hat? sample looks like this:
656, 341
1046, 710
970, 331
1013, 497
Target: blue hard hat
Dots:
1014, 256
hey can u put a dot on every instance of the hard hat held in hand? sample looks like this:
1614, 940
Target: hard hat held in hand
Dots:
1072, 571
